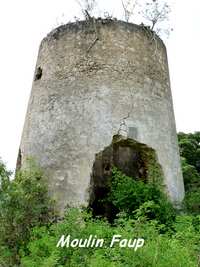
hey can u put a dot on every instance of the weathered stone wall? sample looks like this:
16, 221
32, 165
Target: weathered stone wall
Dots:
88, 78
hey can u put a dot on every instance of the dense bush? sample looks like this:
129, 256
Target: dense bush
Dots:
190, 175
190, 156
192, 201
29, 230
128, 195
24, 203
143, 213
189, 145
160, 250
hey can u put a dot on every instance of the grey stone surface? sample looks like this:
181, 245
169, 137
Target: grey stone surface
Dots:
82, 90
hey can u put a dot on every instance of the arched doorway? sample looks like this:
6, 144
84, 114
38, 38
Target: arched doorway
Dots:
134, 159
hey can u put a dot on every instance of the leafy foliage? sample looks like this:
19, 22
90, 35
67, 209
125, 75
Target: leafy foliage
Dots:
190, 175
192, 201
24, 203
128, 195
190, 156
160, 250
190, 148
29, 230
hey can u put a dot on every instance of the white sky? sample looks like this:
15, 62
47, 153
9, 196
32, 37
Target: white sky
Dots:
23, 25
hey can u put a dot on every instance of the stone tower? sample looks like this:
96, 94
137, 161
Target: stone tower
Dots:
94, 80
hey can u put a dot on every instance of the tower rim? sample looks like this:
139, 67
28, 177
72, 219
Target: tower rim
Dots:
81, 25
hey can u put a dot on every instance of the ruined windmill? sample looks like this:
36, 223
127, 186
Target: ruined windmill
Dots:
89, 79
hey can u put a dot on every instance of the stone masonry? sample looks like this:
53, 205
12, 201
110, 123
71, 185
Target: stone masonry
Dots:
92, 80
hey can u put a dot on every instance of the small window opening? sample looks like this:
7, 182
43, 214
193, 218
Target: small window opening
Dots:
38, 74
107, 167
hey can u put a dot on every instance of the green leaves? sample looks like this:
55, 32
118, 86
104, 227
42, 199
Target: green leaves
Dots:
129, 196
159, 250
190, 158
189, 145
24, 203
29, 233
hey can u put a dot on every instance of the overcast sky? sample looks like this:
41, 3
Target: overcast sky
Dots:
23, 25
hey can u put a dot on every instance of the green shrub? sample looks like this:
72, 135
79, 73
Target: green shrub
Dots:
192, 201
129, 195
160, 250
29, 232
190, 152
189, 145
190, 175
4, 173
24, 203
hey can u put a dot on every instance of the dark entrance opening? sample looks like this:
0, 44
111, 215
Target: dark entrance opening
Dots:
134, 159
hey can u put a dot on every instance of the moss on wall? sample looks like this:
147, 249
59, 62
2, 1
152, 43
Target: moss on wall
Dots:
132, 158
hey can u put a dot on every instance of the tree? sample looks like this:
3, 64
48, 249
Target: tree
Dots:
24, 203
155, 12
128, 7
87, 7
190, 148
189, 145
